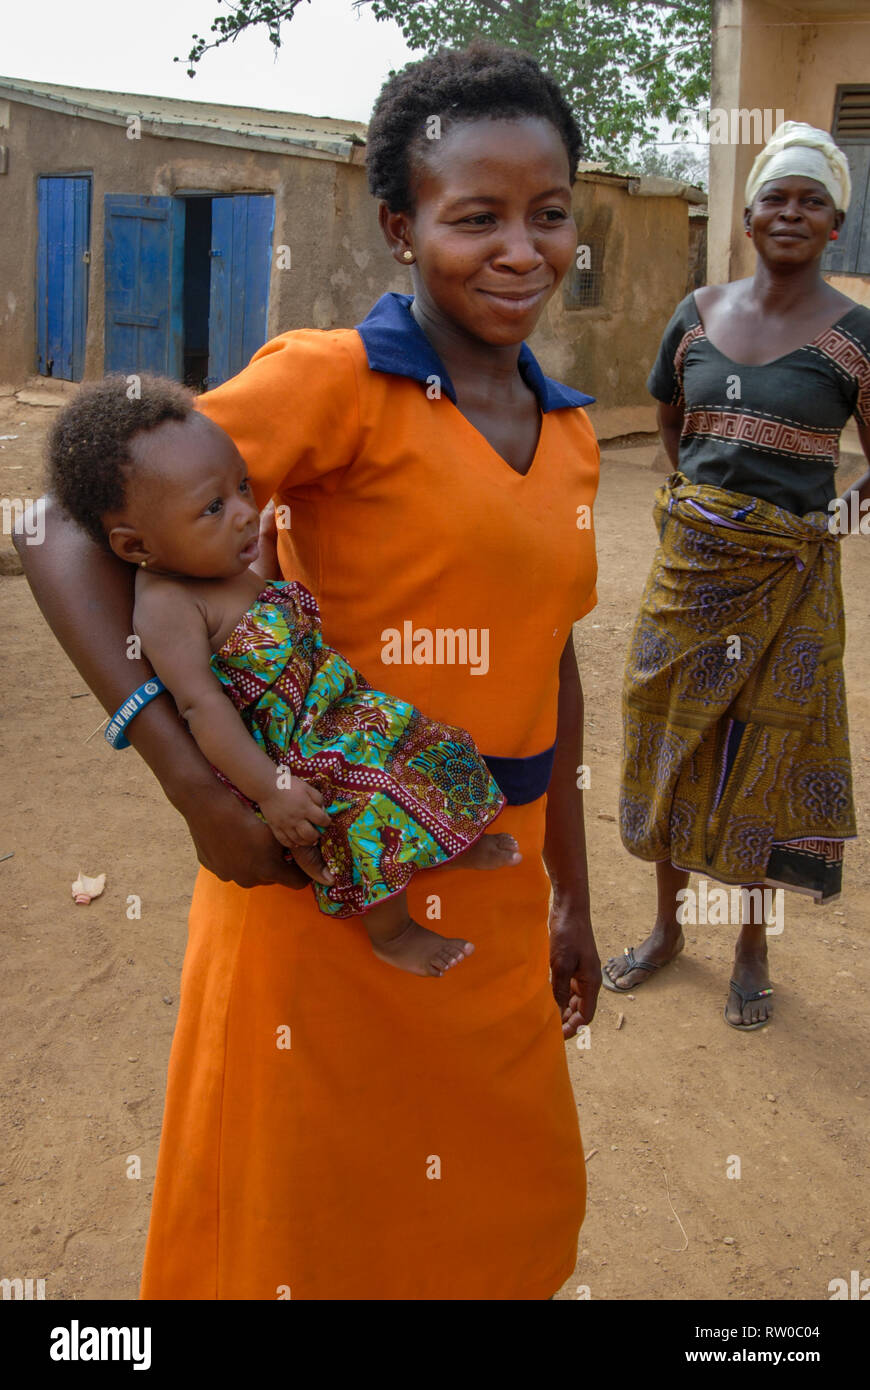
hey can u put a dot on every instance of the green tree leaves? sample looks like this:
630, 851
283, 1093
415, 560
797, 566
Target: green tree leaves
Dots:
623, 64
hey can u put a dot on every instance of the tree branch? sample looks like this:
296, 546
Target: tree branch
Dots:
272, 13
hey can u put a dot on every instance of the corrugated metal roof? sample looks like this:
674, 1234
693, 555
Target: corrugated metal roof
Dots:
643, 185
173, 117
248, 127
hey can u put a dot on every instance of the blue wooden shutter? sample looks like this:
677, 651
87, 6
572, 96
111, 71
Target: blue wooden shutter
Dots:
144, 265
241, 263
64, 206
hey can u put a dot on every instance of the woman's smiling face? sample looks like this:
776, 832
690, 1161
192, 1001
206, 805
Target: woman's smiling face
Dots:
791, 220
492, 230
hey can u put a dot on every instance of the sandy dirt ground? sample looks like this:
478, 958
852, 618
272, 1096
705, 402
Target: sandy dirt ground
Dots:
667, 1100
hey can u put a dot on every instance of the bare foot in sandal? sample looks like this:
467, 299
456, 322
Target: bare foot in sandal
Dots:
750, 1002
635, 966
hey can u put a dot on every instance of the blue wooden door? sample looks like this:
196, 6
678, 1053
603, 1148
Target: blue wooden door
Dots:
62, 255
144, 263
241, 262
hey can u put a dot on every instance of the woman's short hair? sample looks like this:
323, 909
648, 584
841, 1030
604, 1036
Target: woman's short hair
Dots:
483, 80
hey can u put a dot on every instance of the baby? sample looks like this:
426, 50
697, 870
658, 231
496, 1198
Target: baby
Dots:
329, 763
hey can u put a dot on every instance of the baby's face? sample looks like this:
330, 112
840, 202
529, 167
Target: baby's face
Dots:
190, 501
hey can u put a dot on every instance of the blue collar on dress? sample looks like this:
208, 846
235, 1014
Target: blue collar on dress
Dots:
395, 342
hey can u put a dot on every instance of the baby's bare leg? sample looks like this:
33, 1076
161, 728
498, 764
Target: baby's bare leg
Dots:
402, 942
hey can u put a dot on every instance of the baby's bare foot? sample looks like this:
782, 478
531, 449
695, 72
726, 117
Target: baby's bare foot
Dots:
420, 951
490, 852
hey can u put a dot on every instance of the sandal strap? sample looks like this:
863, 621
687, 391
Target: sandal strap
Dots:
751, 998
635, 964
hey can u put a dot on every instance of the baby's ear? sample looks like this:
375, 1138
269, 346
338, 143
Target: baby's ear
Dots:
127, 544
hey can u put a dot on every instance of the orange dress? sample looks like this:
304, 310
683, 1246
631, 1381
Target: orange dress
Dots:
336, 1128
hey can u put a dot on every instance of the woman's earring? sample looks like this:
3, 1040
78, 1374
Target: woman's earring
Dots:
835, 236
748, 232
407, 255
143, 563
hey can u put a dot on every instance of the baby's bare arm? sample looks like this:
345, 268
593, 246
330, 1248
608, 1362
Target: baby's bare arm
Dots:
86, 595
175, 640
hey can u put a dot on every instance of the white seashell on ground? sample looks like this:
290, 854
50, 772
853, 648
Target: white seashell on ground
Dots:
86, 888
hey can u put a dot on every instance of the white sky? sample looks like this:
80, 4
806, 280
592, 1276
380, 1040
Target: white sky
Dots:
332, 61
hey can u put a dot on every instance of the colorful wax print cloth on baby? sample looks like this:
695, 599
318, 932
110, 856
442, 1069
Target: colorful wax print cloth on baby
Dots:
403, 792
736, 757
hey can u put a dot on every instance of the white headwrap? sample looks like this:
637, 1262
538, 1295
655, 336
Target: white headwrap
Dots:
802, 150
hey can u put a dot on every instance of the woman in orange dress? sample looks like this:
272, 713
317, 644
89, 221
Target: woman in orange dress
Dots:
335, 1129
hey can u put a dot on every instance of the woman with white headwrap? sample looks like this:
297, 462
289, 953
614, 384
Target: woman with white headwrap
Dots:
736, 754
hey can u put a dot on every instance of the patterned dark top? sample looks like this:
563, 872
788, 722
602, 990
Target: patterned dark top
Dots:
771, 431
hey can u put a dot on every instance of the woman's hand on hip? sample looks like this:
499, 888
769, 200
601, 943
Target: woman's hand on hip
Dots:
575, 966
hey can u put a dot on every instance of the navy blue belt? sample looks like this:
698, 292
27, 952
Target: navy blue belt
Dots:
522, 779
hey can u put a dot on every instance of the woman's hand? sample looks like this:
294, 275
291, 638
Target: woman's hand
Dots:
575, 966
234, 845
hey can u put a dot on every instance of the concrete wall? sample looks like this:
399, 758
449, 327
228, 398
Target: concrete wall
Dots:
608, 351
766, 56
323, 212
